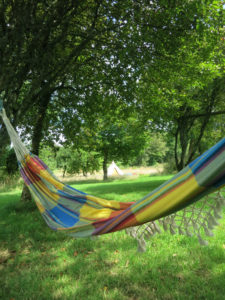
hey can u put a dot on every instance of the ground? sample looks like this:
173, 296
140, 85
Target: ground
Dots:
134, 171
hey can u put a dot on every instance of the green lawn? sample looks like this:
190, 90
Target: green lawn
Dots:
37, 263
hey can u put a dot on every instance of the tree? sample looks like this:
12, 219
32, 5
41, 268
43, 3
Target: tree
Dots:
187, 120
191, 127
183, 97
112, 137
154, 151
46, 44
119, 141
68, 51
77, 161
43, 45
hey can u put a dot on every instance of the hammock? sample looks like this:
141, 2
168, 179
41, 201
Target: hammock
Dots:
69, 210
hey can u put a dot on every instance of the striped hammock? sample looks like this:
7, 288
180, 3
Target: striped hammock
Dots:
69, 210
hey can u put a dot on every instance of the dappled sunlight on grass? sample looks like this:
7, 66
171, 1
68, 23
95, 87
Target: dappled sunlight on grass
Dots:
37, 263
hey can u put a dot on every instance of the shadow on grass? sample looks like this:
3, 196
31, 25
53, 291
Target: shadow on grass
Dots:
165, 278
41, 264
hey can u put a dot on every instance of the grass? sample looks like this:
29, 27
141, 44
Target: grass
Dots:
37, 263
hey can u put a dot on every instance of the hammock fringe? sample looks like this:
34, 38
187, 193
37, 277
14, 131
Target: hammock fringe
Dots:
198, 219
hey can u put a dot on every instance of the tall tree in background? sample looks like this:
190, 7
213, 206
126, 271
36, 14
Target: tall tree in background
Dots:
114, 132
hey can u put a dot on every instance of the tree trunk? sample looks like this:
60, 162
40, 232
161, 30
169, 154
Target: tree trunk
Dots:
176, 149
105, 170
25, 195
181, 137
64, 170
36, 138
189, 146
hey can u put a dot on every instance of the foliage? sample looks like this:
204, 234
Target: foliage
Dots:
189, 92
3, 155
51, 48
75, 161
8, 161
113, 137
66, 65
11, 162
119, 141
215, 131
154, 152
47, 47
49, 155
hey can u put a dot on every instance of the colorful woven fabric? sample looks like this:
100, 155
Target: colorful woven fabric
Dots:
67, 209
79, 214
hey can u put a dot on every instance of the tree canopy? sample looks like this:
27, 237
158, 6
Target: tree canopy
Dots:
66, 66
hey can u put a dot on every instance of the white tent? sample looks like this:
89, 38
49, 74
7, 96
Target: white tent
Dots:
113, 170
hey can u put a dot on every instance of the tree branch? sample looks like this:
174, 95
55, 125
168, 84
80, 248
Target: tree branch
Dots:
222, 112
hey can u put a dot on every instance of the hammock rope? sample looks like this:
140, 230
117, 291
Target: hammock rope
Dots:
198, 219
174, 204
19, 147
